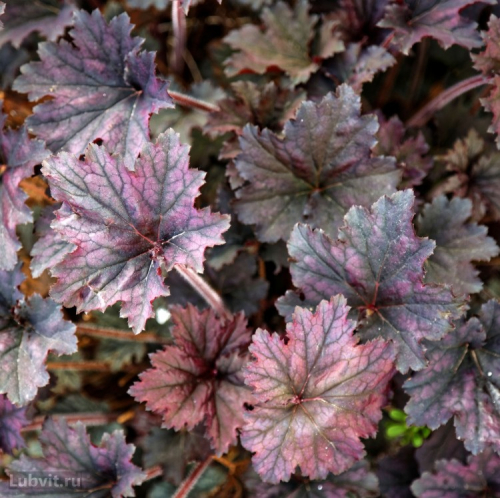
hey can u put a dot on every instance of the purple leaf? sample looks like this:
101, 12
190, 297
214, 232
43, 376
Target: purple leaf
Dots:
457, 244
410, 153
266, 106
18, 156
316, 394
413, 20
50, 248
199, 379
285, 43
83, 469
106, 94
358, 65
476, 175
452, 479
359, 18
320, 168
128, 226
12, 420
29, 330
23, 17
377, 265
462, 381
488, 62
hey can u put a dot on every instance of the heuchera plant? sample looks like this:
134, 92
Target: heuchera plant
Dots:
249, 248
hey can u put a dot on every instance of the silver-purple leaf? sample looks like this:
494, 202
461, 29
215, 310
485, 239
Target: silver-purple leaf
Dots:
23, 17
12, 420
128, 226
321, 167
453, 479
377, 264
462, 381
410, 152
18, 156
30, 328
97, 93
357, 64
317, 394
83, 469
413, 20
458, 243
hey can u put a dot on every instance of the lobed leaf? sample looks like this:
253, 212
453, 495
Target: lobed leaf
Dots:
30, 328
488, 62
376, 263
462, 381
458, 243
410, 153
18, 157
284, 44
199, 378
358, 65
23, 17
316, 394
413, 20
266, 106
316, 172
96, 94
82, 469
452, 479
476, 175
128, 226
12, 420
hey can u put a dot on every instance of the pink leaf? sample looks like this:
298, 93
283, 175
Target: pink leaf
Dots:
199, 379
317, 394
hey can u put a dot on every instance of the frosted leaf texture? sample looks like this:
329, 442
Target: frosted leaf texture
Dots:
91, 471
128, 227
30, 328
462, 381
316, 172
96, 94
316, 394
377, 264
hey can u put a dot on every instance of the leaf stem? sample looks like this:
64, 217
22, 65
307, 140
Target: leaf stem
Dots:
188, 484
153, 472
78, 365
179, 31
204, 290
444, 98
119, 335
194, 103
89, 419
